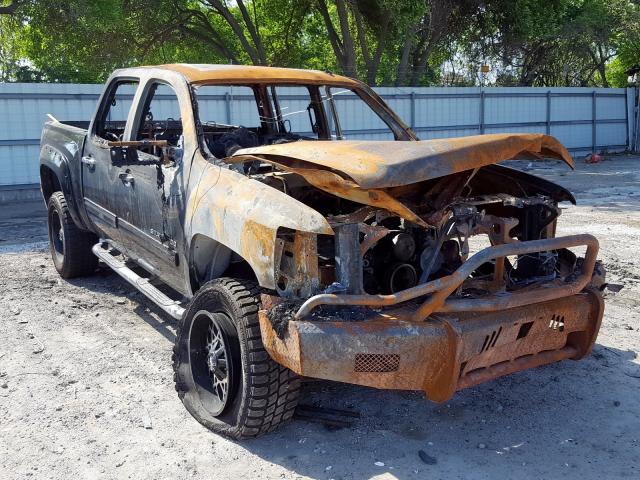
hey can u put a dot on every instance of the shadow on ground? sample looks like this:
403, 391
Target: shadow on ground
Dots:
574, 419
567, 413
568, 416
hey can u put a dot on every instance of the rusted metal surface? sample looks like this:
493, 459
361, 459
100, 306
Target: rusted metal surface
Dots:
438, 301
504, 368
297, 274
335, 184
384, 164
244, 216
443, 287
447, 352
249, 74
369, 169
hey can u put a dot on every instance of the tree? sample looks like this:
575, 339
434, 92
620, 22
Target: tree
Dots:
439, 23
9, 8
558, 42
260, 33
401, 42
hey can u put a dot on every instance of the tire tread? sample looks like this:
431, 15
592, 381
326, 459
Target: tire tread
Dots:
271, 390
78, 260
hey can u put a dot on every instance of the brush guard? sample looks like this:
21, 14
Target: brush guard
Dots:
421, 339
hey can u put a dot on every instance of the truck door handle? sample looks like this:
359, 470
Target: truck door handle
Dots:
90, 162
126, 178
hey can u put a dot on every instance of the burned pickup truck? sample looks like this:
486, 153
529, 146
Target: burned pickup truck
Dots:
289, 243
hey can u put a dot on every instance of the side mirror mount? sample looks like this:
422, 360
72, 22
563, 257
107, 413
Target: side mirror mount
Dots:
171, 155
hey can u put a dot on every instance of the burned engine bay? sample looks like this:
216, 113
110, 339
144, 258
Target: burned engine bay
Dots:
377, 251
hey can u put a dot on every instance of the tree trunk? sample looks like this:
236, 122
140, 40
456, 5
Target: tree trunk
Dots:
345, 54
403, 67
253, 31
225, 13
349, 52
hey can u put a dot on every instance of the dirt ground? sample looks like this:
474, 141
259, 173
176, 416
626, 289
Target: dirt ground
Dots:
87, 392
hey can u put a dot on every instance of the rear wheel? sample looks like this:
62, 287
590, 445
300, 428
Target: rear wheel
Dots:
70, 247
224, 376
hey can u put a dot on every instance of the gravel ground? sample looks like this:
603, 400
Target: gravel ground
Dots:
87, 392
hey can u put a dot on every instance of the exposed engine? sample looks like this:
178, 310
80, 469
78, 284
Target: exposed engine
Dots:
377, 252
408, 254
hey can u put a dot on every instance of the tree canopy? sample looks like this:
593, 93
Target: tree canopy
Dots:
383, 42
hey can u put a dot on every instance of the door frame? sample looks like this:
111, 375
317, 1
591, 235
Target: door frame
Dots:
96, 147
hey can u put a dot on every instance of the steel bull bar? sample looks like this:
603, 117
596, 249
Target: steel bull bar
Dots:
443, 344
445, 286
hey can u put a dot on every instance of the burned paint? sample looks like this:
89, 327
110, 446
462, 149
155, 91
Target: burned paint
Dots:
384, 164
447, 353
249, 74
244, 216
333, 183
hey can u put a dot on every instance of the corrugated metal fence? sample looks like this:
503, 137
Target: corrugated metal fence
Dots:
584, 119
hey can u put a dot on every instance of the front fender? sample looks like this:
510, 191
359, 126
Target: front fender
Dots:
245, 214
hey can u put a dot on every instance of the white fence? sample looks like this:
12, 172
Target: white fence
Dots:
584, 119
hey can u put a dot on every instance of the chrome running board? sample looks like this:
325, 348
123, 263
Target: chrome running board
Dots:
172, 307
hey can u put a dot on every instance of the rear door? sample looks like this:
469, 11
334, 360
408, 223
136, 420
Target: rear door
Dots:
106, 196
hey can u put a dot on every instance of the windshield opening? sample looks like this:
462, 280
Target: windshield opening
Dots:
233, 117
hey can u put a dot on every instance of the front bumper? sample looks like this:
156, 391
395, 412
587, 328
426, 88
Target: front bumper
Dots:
447, 353
460, 344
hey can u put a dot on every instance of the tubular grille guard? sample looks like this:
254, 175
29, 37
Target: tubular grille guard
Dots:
440, 289
376, 362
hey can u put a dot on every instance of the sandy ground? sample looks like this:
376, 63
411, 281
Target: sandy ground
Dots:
86, 382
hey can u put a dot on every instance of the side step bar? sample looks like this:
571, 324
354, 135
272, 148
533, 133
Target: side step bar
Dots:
172, 307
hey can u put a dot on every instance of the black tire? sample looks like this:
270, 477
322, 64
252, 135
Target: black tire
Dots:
261, 394
70, 247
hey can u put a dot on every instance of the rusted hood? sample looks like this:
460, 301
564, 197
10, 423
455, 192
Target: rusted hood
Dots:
382, 164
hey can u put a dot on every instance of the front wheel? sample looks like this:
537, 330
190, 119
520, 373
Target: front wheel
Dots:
223, 375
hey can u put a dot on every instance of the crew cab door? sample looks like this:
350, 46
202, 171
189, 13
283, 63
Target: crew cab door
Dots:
105, 196
151, 229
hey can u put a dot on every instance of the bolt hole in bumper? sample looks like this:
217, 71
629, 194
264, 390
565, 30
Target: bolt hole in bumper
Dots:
423, 339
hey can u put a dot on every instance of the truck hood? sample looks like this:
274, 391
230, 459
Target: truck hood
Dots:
385, 164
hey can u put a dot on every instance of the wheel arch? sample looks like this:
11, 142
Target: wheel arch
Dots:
57, 174
245, 215
209, 259
49, 182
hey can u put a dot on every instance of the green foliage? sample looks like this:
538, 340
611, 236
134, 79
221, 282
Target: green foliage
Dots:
402, 42
10, 48
557, 42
